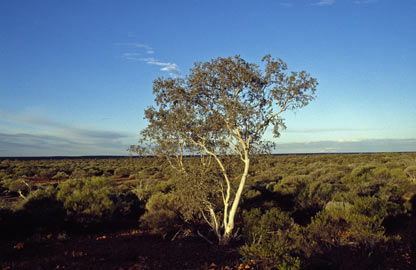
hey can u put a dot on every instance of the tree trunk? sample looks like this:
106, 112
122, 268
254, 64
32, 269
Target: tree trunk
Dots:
228, 229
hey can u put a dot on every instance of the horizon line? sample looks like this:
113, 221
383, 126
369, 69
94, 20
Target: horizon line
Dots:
149, 156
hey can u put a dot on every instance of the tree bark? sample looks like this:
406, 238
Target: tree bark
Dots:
228, 230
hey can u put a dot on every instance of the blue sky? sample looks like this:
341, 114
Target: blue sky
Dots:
76, 76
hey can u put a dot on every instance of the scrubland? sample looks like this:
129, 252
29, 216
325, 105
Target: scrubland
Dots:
332, 211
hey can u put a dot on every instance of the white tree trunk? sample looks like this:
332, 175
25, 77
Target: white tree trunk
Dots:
229, 226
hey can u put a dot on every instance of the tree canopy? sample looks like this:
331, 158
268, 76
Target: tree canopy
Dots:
222, 108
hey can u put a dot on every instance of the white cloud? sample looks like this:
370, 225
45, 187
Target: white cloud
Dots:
286, 4
323, 130
26, 144
172, 68
37, 135
131, 56
366, 1
347, 146
325, 3
149, 50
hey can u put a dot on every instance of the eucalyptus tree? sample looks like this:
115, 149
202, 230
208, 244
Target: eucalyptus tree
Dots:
222, 108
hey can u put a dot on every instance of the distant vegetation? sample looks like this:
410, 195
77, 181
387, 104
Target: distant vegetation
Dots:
298, 211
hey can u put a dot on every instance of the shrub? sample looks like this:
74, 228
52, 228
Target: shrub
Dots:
316, 195
141, 189
21, 186
94, 172
361, 171
340, 227
87, 199
270, 239
78, 173
411, 173
42, 208
122, 172
48, 172
162, 213
292, 185
127, 204
60, 176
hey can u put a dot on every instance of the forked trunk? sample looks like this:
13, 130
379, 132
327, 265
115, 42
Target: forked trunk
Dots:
228, 228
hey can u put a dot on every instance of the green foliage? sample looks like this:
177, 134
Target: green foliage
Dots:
251, 194
358, 201
222, 109
21, 186
122, 172
87, 199
42, 209
142, 189
162, 213
410, 171
316, 195
271, 238
291, 185
60, 176
78, 173
342, 225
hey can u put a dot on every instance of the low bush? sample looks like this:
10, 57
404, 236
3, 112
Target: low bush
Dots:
42, 209
342, 230
410, 171
87, 199
162, 213
122, 172
22, 186
271, 239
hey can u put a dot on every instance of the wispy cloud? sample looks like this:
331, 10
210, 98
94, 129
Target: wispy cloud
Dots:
348, 146
37, 135
323, 130
147, 48
286, 4
366, 1
26, 144
131, 34
171, 68
132, 56
324, 3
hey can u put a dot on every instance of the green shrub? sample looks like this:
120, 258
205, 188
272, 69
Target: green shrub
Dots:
48, 172
381, 173
252, 193
398, 174
271, 238
316, 195
43, 209
162, 213
361, 170
87, 199
94, 172
343, 226
21, 186
122, 172
410, 171
60, 176
78, 173
292, 185
126, 204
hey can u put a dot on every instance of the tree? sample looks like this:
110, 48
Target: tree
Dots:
222, 108
21, 186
